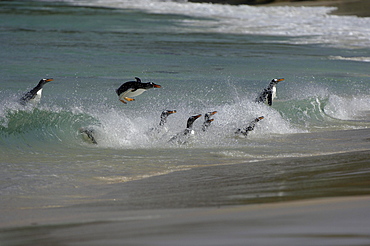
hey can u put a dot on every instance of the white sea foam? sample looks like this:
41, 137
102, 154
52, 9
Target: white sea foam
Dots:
357, 59
348, 108
307, 25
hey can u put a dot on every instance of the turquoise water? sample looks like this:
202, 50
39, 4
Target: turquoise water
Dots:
206, 57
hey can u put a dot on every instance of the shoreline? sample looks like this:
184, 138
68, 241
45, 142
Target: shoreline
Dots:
338, 221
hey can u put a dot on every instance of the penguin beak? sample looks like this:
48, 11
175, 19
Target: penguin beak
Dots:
172, 111
197, 116
156, 86
212, 113
48, 80
278, 80
260, 118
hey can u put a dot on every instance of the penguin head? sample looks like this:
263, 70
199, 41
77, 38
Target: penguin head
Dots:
209, 114
191, 120
148, 85
44, 81
275, 81
167, 113
164, 116
152, 85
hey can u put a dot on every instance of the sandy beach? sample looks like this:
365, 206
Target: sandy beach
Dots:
328, 221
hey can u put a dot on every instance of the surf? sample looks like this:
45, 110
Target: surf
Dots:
128, 127
318, 26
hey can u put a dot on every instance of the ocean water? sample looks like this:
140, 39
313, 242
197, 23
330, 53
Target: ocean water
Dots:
206, 57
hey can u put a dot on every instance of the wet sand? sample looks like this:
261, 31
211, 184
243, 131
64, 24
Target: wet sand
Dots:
329, 221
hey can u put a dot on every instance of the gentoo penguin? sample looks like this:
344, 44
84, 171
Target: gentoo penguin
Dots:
88, 135
158, 130
269, 93
34, 95
164, 116
208, 120
133, 88
189, 124
188, 131
250, 127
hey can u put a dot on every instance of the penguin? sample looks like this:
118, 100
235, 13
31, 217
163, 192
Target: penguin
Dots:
34, 95
269, 93
189, 124
207, 120
133, 88
250, 127
188, 131
164, 116
159, 130
88, 135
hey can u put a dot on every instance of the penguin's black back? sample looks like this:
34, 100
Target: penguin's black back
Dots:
128, 85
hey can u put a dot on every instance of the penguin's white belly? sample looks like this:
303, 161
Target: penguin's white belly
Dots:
130, 93
273, 93
37, 97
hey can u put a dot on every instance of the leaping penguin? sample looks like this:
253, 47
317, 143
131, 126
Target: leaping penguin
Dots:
269, 93
250, 127
133, 88
188, 131
207, 120
34, 95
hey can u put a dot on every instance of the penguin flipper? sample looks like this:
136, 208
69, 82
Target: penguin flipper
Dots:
269, 98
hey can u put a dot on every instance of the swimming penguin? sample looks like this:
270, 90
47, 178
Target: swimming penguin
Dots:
269, 93
188, 131
88, 135
207, 120
157, 131
164, 116
250, 127
133, 88
34, 95
189, 124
